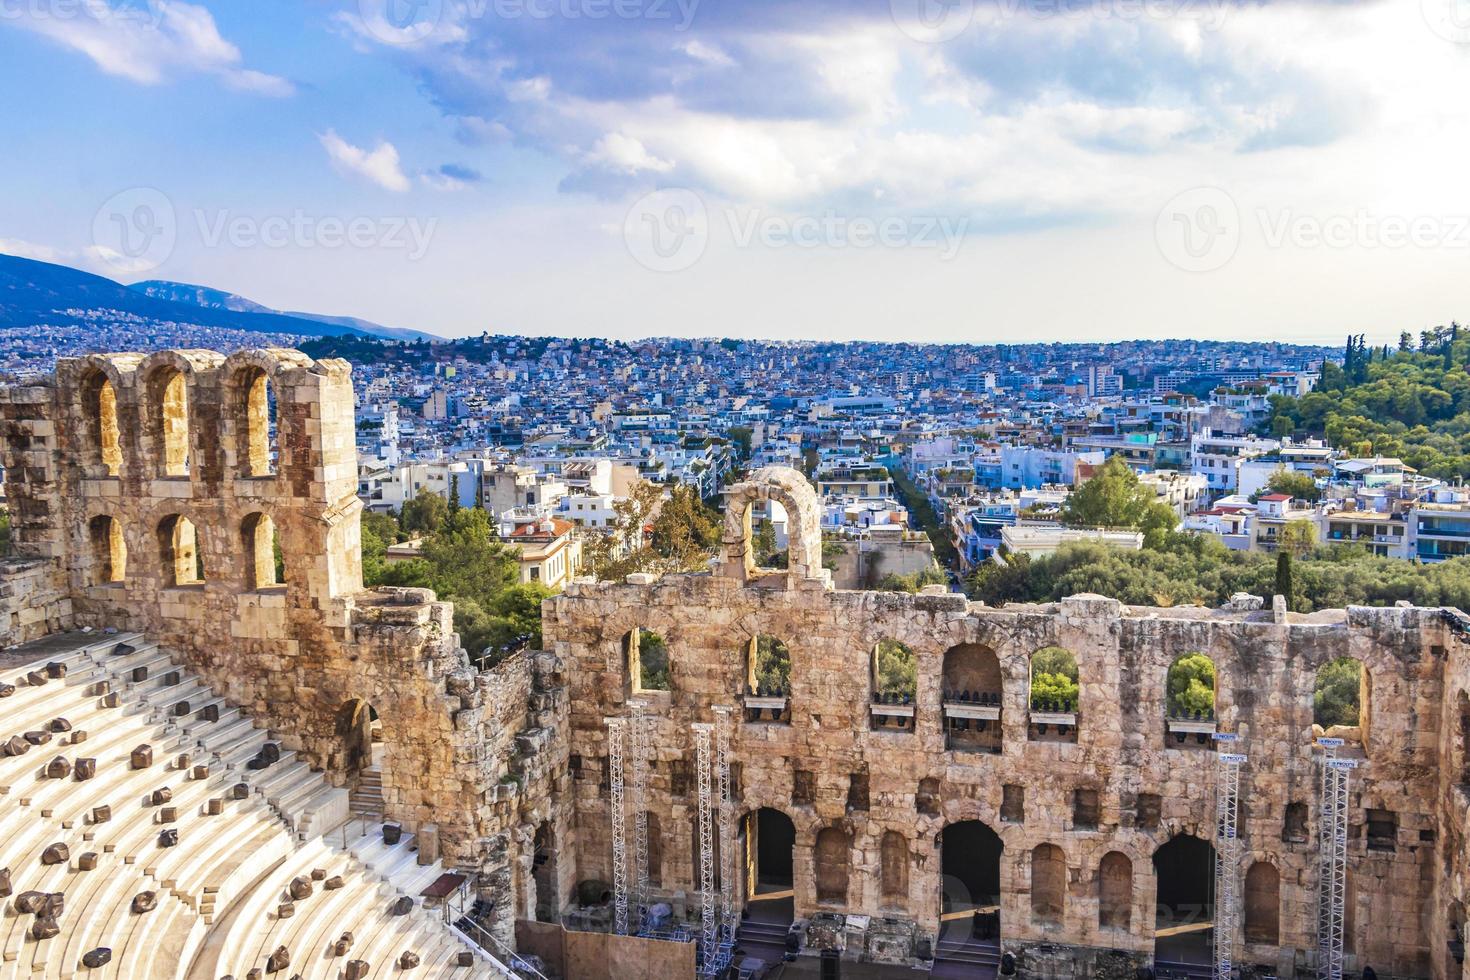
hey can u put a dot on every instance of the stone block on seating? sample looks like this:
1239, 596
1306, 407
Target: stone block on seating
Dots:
44, 927
357, 970
87, 862
145, 902
60, 725
300, 888
169, 838
35, 678
16, 745
401, 906
408, 960
278, 960
101, 814
99, 957
141, 757
57, 853
38, 738
110, 700
161, 796
85, 769
58, 768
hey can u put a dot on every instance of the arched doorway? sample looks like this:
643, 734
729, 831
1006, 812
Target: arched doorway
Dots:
1184, 869
543, 873
355, 721
970, 868
769, 841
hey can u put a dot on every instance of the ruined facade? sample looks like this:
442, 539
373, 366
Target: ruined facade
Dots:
151, 494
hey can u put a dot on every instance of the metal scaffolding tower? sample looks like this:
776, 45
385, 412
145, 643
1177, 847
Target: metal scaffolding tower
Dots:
723, 724
1332, 859
640, 747
615, 730
1227, 852
707, 935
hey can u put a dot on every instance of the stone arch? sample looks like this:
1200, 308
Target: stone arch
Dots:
894, 867
831, 857
794, 493
259, 540
1048, 884
1184, 879
894, 671
1190, 687
109, 551
180, 551
99, 415
767, 667
646, 655
1342, 694
356, 720
1115, 891
167, 409
1263, 904
252, 407
973, 686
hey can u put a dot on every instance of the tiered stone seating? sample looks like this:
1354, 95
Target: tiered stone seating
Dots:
219, 887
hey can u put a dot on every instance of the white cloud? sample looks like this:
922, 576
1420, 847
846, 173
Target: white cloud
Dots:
380, 165
623, 154
30, 250
147, 45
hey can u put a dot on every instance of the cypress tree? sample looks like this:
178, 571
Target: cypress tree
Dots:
1283, 576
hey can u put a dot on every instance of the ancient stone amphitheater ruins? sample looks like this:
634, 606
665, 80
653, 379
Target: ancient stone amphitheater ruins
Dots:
210, 769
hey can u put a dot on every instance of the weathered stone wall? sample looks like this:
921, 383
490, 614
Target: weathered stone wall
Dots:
104, 459
1266, 663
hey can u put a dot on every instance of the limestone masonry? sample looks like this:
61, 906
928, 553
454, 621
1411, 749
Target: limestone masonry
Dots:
144, 498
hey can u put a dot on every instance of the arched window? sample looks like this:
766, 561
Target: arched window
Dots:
1048, 883
648, 661
1115, 891
1190, 701
261, 543
169, 391
358, 727
832, 850
179, 551
972, 698
1341, 699
109, 551
767, 680
1055, 695
256, 423
1262, 904
895, 683
769, 538
894, 861
99, 403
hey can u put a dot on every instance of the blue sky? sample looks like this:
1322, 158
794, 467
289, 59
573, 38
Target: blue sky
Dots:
954, 170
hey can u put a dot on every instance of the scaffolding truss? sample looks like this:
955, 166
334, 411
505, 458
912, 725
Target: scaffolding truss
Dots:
708, 939
640, 744
1227, 852
723, 724
616, 728
1332, 859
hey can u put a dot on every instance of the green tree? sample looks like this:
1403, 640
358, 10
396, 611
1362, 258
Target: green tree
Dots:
897, 668
686, 532
425, 513
1114, 498
912, 582
1295, 483
772, 665
1191, 684
468, 560
1337, 696
653, 661
453, 501
763, 543
742, 437
1284, 585
4, 532
1054, 680
1297, 538
378, 532
613, 553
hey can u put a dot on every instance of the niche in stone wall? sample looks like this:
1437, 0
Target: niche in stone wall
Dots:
1462, 739
1262, 904
1115, 891
1086, 808
1048, 884
973, 699
767, 692
857, 790
1294, 824
1190, 703
926, 797
831, 858
1383, 830
1055, 696
895, 686
655, 850
109, 551
894, 861
1013, 803
803, 787
1148, 811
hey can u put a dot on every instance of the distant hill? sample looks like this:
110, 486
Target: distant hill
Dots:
218, 299
42, 293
